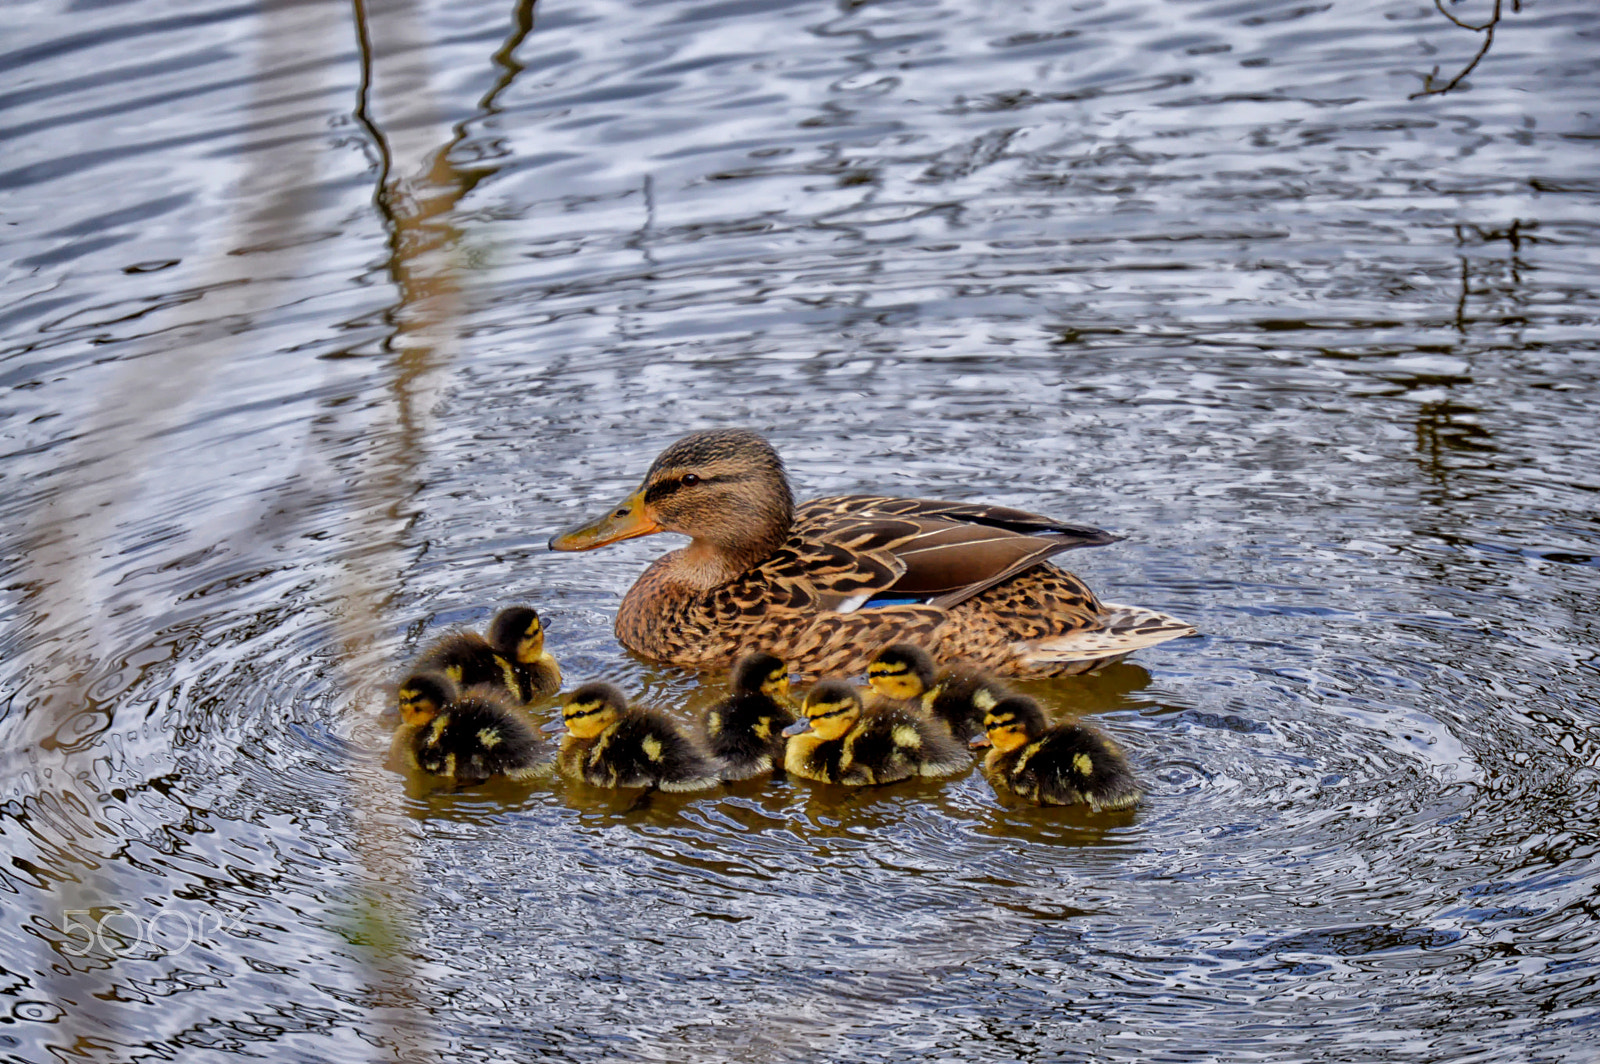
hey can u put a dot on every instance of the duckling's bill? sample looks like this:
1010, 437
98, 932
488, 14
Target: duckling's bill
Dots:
628, 520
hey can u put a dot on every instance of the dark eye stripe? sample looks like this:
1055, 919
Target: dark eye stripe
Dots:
574, 715
830, 713
657, 492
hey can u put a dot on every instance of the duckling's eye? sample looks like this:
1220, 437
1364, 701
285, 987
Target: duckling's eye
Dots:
689, 480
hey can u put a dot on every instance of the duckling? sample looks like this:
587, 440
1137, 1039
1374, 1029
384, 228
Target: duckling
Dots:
840, 742
745, 730
1069, 764
903, 674
610, 744
512, 658
899, 676
468, 737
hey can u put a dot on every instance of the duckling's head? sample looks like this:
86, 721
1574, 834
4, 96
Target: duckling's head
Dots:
1010, 722
725, 487
831, 708
592, 708
423, 695
517, 633
762, 674
901, 671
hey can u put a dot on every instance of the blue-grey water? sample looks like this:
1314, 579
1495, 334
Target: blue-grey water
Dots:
319, 317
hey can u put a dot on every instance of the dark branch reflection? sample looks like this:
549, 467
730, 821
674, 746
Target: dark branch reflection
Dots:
1431, 85
416, 192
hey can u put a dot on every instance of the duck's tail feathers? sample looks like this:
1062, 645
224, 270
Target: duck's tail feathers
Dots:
1123, 630
948, 763
542, 770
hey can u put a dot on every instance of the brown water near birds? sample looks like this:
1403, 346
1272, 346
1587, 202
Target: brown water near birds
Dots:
1202, 273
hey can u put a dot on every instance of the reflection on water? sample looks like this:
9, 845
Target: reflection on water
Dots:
319, 320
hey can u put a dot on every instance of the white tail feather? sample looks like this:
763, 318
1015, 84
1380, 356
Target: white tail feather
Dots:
1125, 629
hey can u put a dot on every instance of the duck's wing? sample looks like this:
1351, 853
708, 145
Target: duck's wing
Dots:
940, 553
1002, 517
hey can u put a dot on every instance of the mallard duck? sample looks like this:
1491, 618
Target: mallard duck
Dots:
464, 736
1068, 764
512, 658
611, 744
745, 730
822, 585
841, 742
903, 674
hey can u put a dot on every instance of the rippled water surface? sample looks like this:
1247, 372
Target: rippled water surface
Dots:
319, 317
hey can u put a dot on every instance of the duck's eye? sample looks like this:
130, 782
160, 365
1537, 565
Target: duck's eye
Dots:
689, 480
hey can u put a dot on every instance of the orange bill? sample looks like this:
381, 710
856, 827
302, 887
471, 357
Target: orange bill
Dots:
625, 522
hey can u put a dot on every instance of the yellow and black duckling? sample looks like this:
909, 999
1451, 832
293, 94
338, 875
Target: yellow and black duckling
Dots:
467, 737
840, 742
903, 675
1068, 764
823, 584
512, 658
611, 744
745, 730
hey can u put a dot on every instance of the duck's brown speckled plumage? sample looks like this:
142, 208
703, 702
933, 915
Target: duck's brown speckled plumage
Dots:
760, 572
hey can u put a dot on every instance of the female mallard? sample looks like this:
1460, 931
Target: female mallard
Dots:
824, 585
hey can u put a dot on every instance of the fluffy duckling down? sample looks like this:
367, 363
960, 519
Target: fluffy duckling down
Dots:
466, 737
1068, 764
512, 659
839, 741
903, 675
745, 730
611, 744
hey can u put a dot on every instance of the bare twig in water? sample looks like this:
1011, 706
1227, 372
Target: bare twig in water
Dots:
1430, 86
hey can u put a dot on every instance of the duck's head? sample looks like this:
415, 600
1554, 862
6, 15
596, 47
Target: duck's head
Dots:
726, 488
831, 709
423, 695
517, 633
1010, 722
901, 671
761, 673
592, 708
